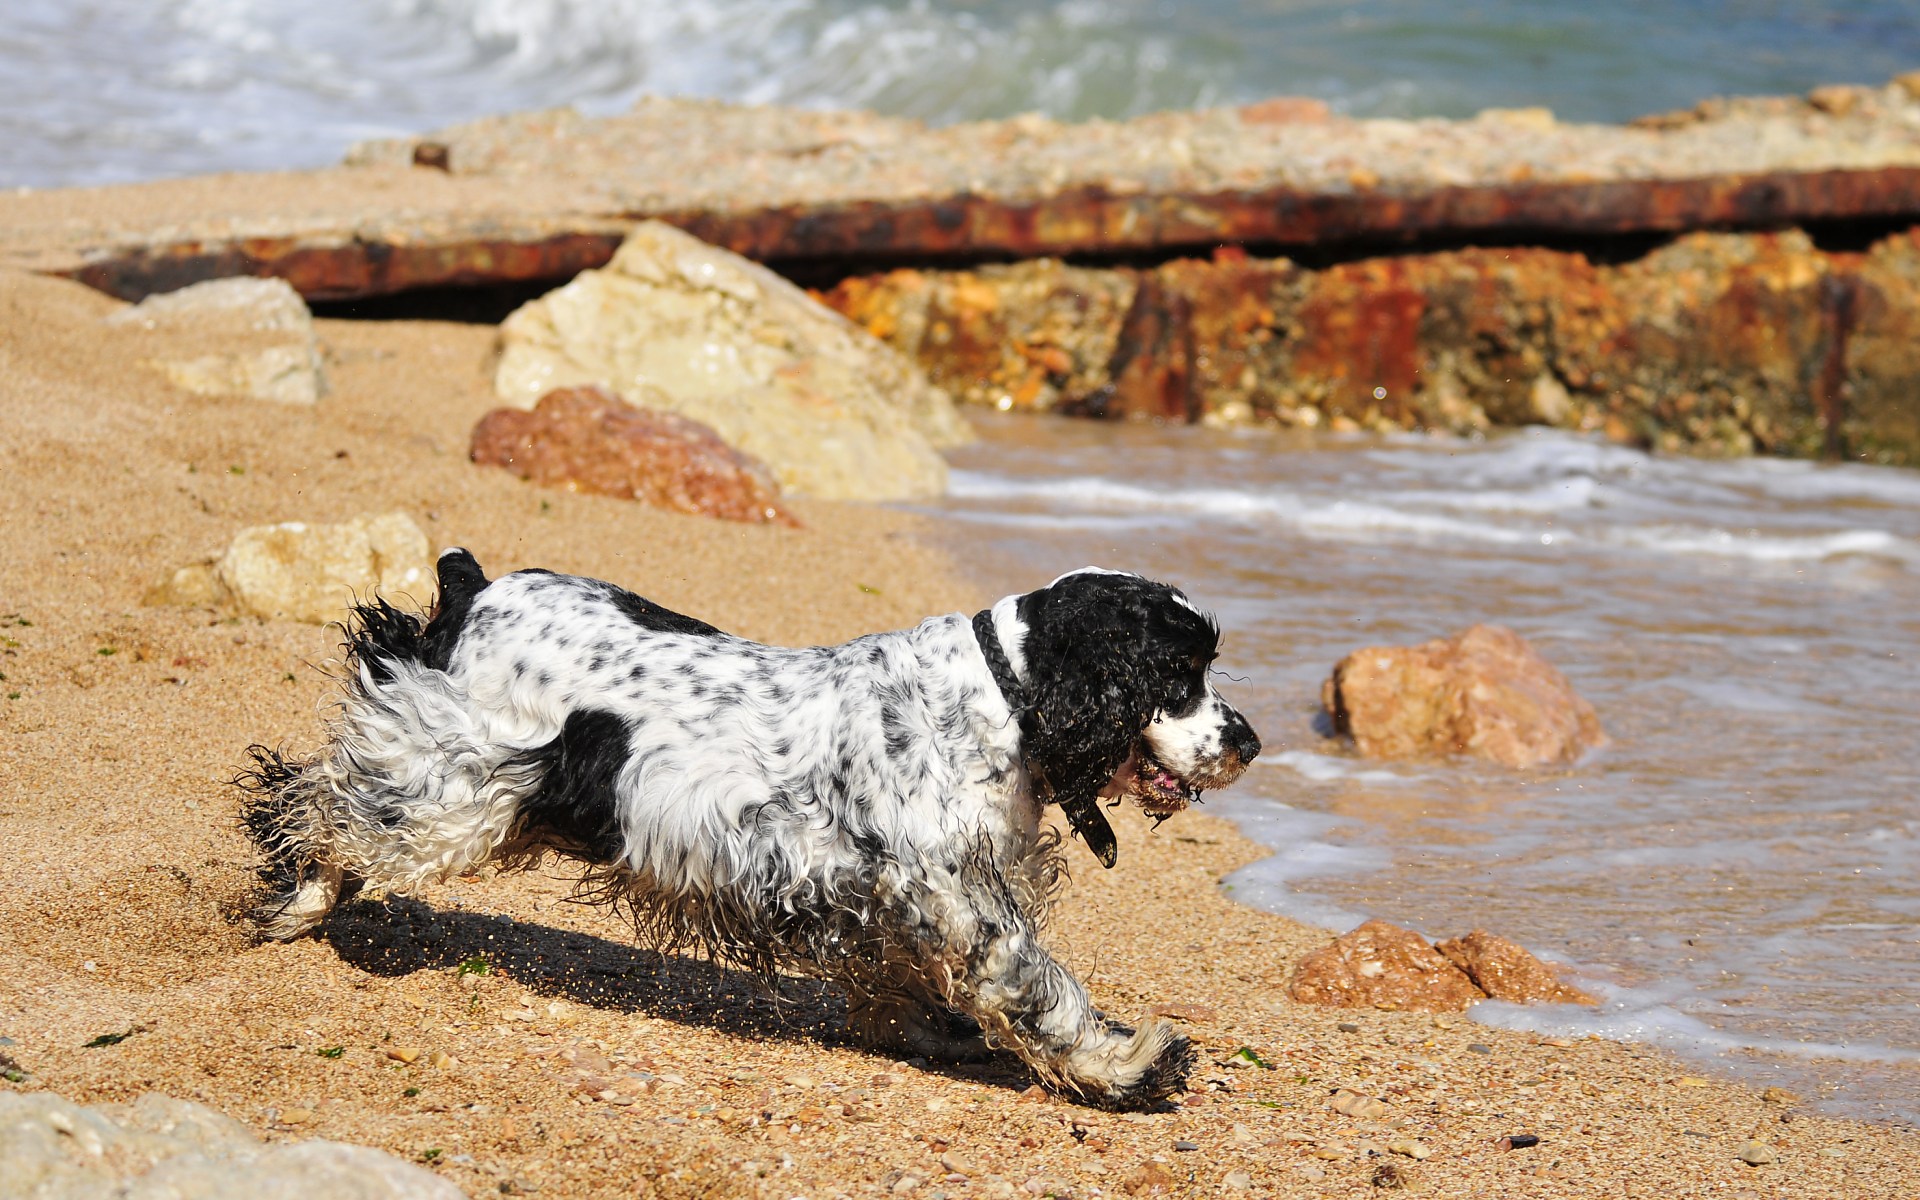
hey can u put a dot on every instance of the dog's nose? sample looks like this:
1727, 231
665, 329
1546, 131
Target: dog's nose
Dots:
1244, 742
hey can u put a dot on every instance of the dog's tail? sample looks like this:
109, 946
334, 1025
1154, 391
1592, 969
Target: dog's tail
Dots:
403, 792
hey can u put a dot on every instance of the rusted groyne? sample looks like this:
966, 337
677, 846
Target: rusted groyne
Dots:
1758, 342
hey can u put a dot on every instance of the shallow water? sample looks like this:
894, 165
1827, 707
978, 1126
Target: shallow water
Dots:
103, 91
1734, 873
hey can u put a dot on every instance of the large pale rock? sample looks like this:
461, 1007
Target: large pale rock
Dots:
587, 439
158, 1148
232, 337
1505, 970
726, 342
1380, 965
310, 572
1485, 692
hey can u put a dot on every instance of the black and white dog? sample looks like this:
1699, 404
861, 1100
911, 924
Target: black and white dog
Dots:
868, 812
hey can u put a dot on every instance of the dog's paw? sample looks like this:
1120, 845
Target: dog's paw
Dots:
1134, 1072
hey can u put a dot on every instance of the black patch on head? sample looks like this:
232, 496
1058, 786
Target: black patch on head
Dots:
378, 634
1103, 654
648, 615
575, 809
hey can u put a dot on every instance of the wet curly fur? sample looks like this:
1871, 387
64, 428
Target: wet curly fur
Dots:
869, 813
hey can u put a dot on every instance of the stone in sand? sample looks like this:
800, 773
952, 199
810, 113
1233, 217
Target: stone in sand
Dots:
587, 439
1380, 965
302, 571
709, 335
1485, 692
1505, 970
232, 337
158, 1146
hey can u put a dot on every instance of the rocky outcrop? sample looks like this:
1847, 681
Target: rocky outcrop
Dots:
310, 572
1032, 335
1484, 692
708, 335
159, 1148
232, 337
1504, 970
587, 439
1716, 343
1380, 965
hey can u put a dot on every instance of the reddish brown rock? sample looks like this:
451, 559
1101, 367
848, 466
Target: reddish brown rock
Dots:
1382, 966
1504, 970
587, 439
1485, 692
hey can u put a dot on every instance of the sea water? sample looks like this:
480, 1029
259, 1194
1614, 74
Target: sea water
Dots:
1733, 874
97, 91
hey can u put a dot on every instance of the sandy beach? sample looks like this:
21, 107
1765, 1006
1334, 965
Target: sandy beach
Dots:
474, 1028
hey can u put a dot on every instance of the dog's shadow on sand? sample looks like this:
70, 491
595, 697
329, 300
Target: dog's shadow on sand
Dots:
396, 936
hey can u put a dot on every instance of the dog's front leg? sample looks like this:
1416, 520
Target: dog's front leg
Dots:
1023, 997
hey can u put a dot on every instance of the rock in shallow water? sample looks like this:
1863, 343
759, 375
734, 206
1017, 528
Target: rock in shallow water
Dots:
1505, 970
1380, 965
1385, 966
590, 440
156, 1147
1485, 692
708, 335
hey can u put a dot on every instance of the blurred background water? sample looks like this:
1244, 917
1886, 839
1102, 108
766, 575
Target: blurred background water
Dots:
98, 91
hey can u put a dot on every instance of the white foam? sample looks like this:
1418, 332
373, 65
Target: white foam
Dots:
1630, 1015
1324, 768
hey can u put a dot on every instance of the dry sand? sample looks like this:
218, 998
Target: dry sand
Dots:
120, 867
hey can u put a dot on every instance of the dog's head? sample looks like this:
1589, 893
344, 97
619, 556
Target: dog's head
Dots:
1116, 672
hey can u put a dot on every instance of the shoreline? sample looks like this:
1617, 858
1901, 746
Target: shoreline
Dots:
1635, 1006
123, 868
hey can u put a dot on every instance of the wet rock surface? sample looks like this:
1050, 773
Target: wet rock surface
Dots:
710, 336
1504, 970
1721, 344
1380, 965
158, 1147
307, 571
590, 440
231, 337
1383, 966
1484, 692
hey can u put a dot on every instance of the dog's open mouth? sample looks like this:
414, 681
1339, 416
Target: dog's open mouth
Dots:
1158, 791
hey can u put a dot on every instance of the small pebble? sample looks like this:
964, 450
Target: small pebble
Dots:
1347, 1027
295, 1116
1352, 1104
1780, 1095
441, 1059
905, 1184
1757, 1153
1690, 1081
1410, 1148
1479, 1048
959, 1164
1312, 1174
1832, 1152
1239, 1181
1518, 1141
405, 1054
1186, 1145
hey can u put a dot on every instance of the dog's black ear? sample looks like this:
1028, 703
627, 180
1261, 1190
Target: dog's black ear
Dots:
1099, 650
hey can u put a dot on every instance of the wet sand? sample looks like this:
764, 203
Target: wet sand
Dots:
122, 869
